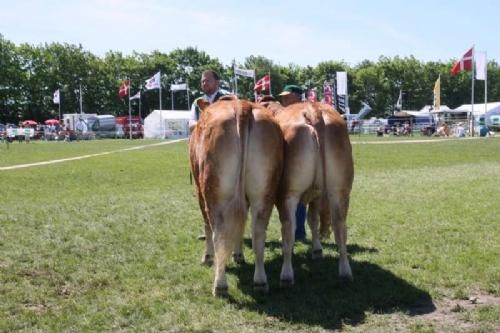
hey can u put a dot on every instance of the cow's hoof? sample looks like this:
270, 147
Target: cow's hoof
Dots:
262, 288
317, 254
238, 258
220, 292
207, 259
288, 283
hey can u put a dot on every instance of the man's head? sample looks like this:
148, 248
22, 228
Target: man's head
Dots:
291, 94
209, 82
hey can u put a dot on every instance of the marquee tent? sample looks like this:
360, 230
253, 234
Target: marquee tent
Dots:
161, 124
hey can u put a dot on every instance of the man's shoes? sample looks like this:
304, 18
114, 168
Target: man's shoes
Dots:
202, 237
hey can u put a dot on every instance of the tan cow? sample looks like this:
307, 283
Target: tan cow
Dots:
318, 170
236, 154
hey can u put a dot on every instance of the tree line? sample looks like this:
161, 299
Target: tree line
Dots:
30, 74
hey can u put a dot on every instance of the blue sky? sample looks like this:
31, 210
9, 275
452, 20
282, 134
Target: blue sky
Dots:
299, 32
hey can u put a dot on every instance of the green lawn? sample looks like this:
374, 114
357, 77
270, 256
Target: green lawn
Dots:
108, 244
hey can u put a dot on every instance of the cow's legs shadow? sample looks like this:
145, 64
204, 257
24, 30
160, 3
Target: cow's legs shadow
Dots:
319, 297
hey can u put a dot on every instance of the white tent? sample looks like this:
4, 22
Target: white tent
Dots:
173, 124
479, 109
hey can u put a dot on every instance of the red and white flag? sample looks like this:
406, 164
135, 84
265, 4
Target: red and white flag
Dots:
124, 89
463, 64
264, 83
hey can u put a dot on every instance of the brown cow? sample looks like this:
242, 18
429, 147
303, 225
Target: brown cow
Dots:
318, 170
236, 154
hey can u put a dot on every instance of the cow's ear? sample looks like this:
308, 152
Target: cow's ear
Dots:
202, 104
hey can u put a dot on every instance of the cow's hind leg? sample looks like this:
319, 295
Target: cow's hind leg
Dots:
227, 229
312, 220
339, 201
287, 217
260, 219
208, 254
238, 256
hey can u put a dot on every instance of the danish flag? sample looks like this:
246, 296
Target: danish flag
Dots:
264, 83
124, 89
463, 64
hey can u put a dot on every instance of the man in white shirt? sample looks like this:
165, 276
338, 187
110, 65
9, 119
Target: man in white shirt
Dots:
460, 130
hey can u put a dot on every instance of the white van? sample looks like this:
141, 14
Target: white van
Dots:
102, 126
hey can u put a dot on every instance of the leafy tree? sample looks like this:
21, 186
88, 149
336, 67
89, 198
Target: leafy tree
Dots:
29, 75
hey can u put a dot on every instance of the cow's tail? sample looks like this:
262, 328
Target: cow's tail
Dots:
325, 225
236, 211
244, 112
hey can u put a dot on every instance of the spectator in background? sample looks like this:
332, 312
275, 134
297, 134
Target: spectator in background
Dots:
460, 130
483, 130
443, 130
406, 128
210, 86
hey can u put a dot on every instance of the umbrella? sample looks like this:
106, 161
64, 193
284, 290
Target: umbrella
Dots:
52, 122
29, 123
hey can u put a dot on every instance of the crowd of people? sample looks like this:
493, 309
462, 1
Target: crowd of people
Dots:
25, 132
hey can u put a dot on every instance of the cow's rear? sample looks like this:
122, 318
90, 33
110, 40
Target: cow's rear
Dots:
318, 171
236, 159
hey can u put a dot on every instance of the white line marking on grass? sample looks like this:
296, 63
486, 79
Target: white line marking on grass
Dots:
20, 166
410, 141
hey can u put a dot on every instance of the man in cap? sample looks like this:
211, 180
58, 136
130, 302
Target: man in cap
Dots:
292, 94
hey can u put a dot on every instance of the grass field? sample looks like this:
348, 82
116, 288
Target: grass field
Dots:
108, 244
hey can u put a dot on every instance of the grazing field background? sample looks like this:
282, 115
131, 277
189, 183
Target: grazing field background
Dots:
109, 244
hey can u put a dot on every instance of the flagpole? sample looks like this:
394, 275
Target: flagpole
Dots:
439, 93
160, 91
485, 82
59, 104
140, 114
270, 91
172, 97
236, 85
254, 92
81, 103
129, 111
347, 110
472, 95
187, 91
161, 112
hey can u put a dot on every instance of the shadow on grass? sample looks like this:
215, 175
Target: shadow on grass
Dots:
351, 248
320, 298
